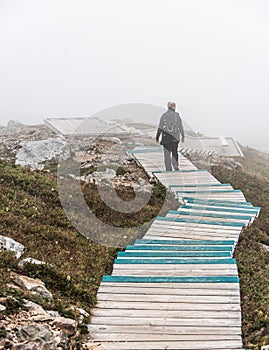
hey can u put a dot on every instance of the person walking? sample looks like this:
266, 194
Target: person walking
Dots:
171, 129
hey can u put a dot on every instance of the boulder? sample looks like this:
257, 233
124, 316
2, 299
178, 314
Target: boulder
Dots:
32, 261
38, 154
2, 310
10, 244
34, 286
106, 177
66, 325
36, 312
110, 139
34, 337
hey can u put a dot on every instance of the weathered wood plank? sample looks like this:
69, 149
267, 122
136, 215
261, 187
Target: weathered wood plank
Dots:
168, 314
171, 279
186, 242
196, 299
168, 306
102, 332
173, 345
163, 291
166, 321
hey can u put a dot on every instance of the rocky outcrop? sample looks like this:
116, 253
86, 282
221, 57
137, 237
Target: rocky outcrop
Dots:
67, 325
37, 154
31, 261
35, 328
204, 159
10, 244
34, 286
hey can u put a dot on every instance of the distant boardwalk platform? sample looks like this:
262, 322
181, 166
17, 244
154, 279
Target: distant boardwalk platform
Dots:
178, 287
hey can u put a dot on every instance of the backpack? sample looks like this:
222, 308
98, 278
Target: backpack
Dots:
171, 123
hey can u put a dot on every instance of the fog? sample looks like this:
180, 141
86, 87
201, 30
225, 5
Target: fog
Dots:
78, 57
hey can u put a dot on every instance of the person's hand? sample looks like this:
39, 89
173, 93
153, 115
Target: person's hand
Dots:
157, 141
182, 140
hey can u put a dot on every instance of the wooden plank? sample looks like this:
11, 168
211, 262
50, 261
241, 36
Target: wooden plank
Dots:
172, 279
211, 208
202, 185
111, 333
145, 337
179, 247
175, 330
209, 263
188, 235
162, 291
201, 222
195, 299
172, 345
164, 321
120, 272
174, 286
223, 203
167, 306
233, 315
186, 225
207, 214
173, 254
186, 242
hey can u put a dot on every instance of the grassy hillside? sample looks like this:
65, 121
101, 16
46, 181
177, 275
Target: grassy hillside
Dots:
31, 213
252, 257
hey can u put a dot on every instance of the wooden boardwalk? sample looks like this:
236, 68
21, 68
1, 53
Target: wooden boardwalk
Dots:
178, 287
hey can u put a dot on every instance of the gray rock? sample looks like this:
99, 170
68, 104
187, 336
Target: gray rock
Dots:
53, 314
38, 314
265, 247
66, 325
10, 244
37, 154
110, 139
35, 337
2, 310
34, 286
83, 312
106, 176
32, 261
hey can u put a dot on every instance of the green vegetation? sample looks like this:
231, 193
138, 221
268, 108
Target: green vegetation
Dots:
31, 213
252, 258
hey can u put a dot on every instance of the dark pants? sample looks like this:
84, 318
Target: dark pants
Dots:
170, 149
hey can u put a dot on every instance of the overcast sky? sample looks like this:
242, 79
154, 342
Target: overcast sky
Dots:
77, 57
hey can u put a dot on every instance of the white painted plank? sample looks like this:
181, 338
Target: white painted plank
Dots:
168, 306
172, 345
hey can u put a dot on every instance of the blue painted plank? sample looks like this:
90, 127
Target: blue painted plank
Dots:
180, 248
184, 242
228, 210
175, 261
211, 215
219, 201
171, 279
202, 222
201, 185
176, 254
210, 191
